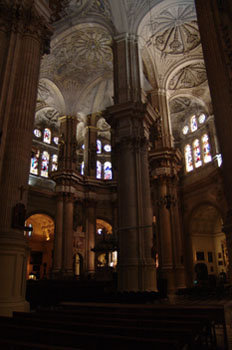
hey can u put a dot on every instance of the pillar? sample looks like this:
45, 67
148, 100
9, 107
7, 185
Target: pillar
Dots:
136, 267
67, 260
24, 31
164, 165
90, 206
90, 139
66, 178
159, 102
58, 238
215, 25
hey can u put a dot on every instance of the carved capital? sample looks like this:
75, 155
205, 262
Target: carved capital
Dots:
23, 18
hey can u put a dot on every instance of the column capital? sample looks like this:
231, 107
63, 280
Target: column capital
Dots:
27, 18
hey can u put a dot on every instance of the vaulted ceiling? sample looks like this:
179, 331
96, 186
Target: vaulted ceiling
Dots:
77, 76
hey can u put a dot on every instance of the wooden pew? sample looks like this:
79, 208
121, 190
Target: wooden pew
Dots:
190, 334
85, 340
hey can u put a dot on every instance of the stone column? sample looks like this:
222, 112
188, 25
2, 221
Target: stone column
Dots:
180, 278
66, 177
159, 102
90, 205
166, 258
164, 165
136, 267
25, 27
90, 155
67, 261
67, 159
215, 25
58, 239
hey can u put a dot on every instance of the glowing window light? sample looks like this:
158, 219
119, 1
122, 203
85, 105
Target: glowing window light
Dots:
206, 149
188, 158
197, 153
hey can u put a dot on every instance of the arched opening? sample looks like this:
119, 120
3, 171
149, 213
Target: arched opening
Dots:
40, 236
208, 243
106, 252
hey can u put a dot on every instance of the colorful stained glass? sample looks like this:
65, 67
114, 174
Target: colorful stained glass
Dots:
201, 118
206, 149
107, 148
98, 170
45, 164
188, 158
54, 162
197, 153
82, 168
56, 140
35, 163
185, 129
37, 133
47, 136
193, 123
99, 146
107, 171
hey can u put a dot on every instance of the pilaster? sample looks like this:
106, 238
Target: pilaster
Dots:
164, 168
24, 37
90, 209
90, 151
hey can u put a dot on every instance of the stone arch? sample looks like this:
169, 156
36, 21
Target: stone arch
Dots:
40, 240
207, 240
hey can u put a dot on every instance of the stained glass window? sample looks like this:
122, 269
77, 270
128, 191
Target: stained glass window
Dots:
193, 123
107, 171
54, 162
35, 163
185, 129
201, 118
99, 146
197, 153
37, 133
56, 140
98, 170
188, 158
83, 146
45, 164
82, 168
47, 136
206, 149
107, 148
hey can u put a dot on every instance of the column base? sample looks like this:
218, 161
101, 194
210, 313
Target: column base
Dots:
7, 308
175, 278
13, 261
137, 278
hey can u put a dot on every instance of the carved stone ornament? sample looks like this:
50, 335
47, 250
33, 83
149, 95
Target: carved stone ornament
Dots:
188, 77
23, 18
79, 56
173, 31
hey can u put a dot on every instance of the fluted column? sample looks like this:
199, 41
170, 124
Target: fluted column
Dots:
215, 25
66, 177
26, 25
90, 139
164, 166
160, 102
58, 239
136, 267
166, 258
90, 205
67, 159
67, 266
